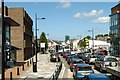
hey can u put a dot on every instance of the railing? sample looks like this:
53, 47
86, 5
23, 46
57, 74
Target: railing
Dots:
55, 75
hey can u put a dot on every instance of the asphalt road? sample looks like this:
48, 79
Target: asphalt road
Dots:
68, 74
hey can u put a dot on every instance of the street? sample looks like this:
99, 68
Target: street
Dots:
69, 75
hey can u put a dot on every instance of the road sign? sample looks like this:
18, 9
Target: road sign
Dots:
42, 45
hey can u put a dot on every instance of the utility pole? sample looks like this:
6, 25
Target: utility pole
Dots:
92, 31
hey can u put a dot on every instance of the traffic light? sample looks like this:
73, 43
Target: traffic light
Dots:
86, 42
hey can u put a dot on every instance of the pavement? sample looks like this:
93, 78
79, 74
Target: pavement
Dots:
45, 68
115, 70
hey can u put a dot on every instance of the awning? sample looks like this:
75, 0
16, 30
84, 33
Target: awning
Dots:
11, 47
15, 48
9, 21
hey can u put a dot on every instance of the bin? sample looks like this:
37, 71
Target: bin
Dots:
10, 64
34, 66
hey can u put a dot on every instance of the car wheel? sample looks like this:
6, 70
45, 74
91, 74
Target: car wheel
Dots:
101, 69
95, 66
71, 69
113, 64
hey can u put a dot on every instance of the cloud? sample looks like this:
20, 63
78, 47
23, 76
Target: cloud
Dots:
77, 15
102, 20
64, 5
92, 13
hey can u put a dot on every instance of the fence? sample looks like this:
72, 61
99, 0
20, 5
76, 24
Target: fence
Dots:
57, 72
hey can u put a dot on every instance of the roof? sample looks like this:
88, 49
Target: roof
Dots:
9, 21
83, 65
99, 76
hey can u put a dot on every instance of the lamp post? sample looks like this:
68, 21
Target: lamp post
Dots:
92, 31
3, 41
36, 44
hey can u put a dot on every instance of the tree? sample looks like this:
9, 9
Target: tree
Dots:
81, 44
88, 37
43, 39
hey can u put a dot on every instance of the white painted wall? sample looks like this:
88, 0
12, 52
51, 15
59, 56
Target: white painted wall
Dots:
98, 43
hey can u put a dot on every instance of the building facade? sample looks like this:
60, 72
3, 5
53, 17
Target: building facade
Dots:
67, 37
102, 37
115, 30
9, 50
21, 36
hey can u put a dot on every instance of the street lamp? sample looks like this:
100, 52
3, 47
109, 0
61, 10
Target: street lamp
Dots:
3, 40
36, 44
92, 31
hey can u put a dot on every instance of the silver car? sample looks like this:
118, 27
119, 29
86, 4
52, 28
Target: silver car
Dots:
105, 61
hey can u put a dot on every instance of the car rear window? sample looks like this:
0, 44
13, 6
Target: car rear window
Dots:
78, 62
111, 59
83, 68
92, 56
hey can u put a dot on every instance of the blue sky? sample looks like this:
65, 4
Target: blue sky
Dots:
68, 18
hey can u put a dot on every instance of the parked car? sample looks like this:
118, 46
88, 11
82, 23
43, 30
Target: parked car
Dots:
97, 77
91, 58
81, 70
104, 61
54, 57
75, 62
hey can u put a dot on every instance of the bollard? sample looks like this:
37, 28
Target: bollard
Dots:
27, 63
34, 66
23, 67
53, 77
18, 72
10, 75
30, 61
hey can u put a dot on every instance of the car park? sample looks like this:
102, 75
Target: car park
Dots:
80, 70
75, 62
54, 57
105, 61
97, 77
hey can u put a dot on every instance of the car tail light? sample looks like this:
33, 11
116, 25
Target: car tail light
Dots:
104, 60
73, 64
88, 58
91, 68
77, 69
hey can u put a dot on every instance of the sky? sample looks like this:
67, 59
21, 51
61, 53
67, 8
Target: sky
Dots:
68, 18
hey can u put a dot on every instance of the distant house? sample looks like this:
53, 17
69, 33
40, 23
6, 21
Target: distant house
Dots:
98, 44
75, 44
52, 44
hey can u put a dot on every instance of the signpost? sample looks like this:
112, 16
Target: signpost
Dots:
42, 45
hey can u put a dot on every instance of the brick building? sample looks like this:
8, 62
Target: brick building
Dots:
21, 36
115, 30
